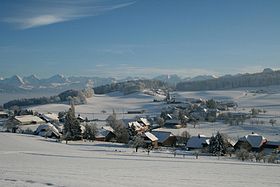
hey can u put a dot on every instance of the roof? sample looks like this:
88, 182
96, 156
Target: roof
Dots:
162, 135
26, 119
47, 128
145, 121
104, 131
137, 126
172, 121
151, 136
197, 141
108, 128
50, 117
254, 140
275, 143
3, 113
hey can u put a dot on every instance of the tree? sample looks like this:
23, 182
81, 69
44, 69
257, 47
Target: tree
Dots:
72, 129
137, 142
182, 117
242, 154
120, 131
211, 104
183, 138
272, 122
90, 132
254, 112
160, 121
217, 145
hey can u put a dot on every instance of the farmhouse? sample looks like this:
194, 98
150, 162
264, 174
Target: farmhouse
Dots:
198, 142
172, 123
165, 138
106, 134
50, 117
47, 130
28, 120
252, 142
150, 139
4, 114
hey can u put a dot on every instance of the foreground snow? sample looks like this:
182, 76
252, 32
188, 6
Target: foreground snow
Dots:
34, 161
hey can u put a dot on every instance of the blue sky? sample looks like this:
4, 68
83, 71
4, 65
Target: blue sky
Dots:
122, 38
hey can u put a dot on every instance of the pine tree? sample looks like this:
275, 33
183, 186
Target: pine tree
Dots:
72, 129
217, 145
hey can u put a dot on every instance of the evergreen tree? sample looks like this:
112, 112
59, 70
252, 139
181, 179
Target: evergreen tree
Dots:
72, 129
217, 145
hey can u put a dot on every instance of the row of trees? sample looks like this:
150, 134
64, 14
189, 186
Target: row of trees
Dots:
75, 96
131, 86
229, 82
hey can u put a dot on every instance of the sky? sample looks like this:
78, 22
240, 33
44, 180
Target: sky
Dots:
119, 38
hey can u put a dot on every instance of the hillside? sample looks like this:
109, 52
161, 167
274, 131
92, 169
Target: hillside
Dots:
265, 78
131, 86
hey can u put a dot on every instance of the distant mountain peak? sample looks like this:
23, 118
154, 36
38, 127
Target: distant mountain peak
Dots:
14, 81
32, 79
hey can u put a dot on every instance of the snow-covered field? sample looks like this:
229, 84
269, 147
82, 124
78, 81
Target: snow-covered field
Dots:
100, 106
35, 161
139, 101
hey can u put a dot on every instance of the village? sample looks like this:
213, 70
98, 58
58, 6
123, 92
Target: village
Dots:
166, 130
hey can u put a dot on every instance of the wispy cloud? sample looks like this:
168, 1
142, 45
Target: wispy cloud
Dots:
46, 12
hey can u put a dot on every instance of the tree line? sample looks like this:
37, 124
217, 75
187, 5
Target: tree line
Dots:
75, 96
131, 86
229, 82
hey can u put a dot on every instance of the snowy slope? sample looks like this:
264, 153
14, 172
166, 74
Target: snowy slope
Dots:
34, 161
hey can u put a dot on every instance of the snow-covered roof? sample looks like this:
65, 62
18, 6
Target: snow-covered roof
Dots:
50, 117
197, 141
108, 128
3, 113
151, 136
172, 121
255, 140
275, 143
46, 129
104, 131
162, 135
27, 119
145, 121
137, 126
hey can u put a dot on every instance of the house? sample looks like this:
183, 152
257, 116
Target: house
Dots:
165, 138
251, 142
4, 114
48, 130
106, 134
150, 139
144, 121
198, 142
275, 145
135, 126
172, 123
50, 117
81, 119
27, 120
